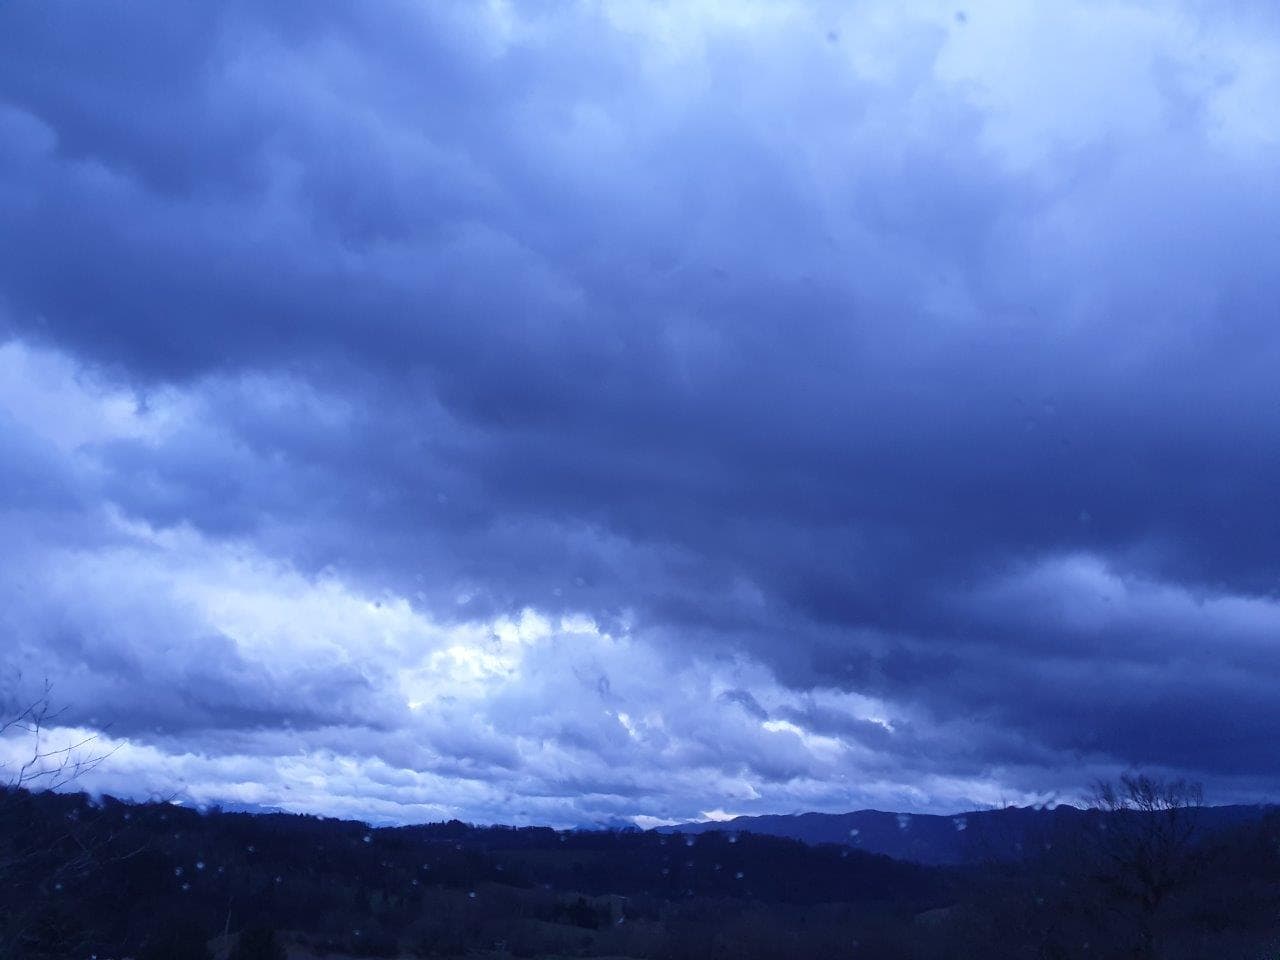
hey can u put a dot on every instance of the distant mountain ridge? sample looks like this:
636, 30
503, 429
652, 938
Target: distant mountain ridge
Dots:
937, 839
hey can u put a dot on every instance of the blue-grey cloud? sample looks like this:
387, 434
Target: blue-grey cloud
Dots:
894, 355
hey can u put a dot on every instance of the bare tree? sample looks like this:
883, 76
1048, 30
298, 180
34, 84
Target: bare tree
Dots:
44, 767
38, 864
1144, 847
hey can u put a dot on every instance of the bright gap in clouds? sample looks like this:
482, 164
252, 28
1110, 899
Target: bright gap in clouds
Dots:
304, 695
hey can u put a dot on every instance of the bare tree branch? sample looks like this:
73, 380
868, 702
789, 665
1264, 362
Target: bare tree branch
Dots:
46, 768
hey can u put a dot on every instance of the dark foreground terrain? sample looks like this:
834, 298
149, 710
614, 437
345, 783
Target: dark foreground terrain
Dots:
82, 878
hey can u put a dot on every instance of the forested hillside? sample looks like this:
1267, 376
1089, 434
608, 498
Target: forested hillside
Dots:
84, 877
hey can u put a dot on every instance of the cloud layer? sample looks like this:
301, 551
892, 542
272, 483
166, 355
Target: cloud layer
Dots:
565, 411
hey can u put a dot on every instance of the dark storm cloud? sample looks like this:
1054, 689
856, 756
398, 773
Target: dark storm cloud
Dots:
749, 346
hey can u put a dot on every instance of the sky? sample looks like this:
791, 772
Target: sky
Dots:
571, 412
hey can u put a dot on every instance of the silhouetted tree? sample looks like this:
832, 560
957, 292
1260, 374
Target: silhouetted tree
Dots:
1143, 848
38, 867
